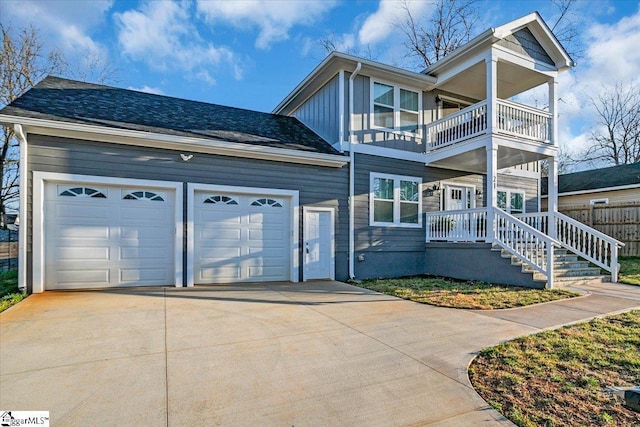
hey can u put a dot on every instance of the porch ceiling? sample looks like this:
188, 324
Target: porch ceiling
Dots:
474, 158
512, 80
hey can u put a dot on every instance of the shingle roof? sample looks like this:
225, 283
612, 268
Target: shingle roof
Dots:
55, 98
615, 176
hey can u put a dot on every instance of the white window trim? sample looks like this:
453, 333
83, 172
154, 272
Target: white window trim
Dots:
39, 180
396, 200
396, 108
463, 104
514, 190
292, 195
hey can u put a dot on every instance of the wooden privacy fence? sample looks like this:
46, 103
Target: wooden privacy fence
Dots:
620, 221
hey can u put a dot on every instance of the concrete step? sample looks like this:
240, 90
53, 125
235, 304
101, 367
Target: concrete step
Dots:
567, 282
558, 259
568, 273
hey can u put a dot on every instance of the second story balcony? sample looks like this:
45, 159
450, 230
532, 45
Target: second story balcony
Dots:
511, 120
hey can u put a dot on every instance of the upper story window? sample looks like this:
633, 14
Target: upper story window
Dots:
395, 200
395, 108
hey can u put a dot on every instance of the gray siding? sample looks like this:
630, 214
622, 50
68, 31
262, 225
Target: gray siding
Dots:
318, 186
397, 251
321, 111
525, 43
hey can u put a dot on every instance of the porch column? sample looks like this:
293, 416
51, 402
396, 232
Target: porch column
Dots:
553, 110
552, 195
492, 92
492, 189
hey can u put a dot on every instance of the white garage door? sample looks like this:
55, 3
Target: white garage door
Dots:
241, 238
108, 236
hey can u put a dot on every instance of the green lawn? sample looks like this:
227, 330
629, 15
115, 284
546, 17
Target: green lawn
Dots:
559, 377
445, 292
629, 270
9, 293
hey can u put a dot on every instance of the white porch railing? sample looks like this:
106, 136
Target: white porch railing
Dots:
528, 244
590, 244
469, 225
523, 121
456, 127
511, 119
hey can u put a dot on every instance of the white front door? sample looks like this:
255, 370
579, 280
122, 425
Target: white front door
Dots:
318, 243
459, 197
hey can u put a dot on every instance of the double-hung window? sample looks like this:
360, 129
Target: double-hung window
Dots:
511, 201
395, 200
395, 108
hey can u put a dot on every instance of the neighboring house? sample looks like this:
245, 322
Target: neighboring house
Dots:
395, 173
612, 185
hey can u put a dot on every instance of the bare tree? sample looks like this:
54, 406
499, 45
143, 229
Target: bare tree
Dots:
565, 27
616, 137
450, 26
23, 62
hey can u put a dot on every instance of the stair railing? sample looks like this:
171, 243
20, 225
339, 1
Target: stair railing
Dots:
529, 245
592, 245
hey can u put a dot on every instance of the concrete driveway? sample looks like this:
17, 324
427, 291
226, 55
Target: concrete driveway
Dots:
313, 354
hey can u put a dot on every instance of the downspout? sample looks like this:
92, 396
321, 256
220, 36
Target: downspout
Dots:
22, 209
352, 175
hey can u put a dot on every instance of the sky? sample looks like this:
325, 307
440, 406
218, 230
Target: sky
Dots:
252, 53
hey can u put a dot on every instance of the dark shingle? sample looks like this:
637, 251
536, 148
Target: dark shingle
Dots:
615, 176
65, 100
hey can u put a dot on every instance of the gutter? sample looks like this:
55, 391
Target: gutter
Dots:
352, 159
22, 230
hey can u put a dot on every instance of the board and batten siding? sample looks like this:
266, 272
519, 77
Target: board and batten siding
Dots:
318, 186
321, 111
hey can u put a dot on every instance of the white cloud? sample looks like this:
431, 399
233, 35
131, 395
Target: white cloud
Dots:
274, 18
161, 33
64, 25
383, 21
148, 89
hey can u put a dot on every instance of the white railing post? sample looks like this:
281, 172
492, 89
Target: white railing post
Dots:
550, 262
492, 189
552, 200
492, 92
615, 267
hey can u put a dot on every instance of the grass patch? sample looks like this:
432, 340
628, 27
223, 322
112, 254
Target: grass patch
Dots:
446, 292
559, 377
629, 270
9, 293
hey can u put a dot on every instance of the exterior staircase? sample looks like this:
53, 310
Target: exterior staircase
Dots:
568, 268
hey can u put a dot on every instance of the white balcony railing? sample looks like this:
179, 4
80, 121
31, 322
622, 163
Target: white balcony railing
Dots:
523, 121
457, 127
590, 244
512, 119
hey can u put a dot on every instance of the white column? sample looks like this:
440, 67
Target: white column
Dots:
553, 110
492, 92
552, 192
492, 189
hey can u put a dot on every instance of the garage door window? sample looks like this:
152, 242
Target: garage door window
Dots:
223, 200
143, 195
81, 192
267, 202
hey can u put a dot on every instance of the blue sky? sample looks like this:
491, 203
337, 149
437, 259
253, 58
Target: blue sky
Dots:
252, 53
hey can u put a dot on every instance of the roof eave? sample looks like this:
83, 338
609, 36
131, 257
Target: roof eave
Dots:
160, 140
342, 61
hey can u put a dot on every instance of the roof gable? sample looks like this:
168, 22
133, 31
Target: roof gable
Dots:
525, 43
71, 101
